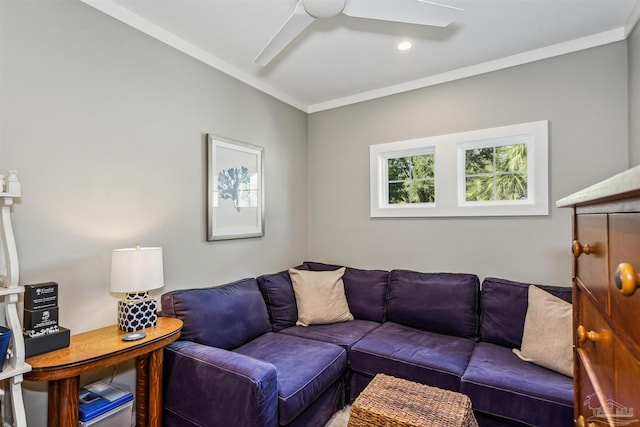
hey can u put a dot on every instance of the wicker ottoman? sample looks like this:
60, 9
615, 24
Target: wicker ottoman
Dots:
392, 402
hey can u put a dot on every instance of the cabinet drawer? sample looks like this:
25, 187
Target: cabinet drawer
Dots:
589, 399
624, 247
597, 345
591, 265
599, 405
627, 397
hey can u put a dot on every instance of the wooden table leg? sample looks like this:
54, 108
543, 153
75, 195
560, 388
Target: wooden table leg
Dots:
142, 390
63, 402
53, 404
155, 388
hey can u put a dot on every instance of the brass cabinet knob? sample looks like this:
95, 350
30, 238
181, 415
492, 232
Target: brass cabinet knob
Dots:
578, 248
582, 422
584, 335
627, 280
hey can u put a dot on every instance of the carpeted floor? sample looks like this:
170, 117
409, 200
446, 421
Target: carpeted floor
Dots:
339, 419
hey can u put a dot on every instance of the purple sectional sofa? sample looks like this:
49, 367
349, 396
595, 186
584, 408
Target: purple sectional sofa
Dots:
242, 361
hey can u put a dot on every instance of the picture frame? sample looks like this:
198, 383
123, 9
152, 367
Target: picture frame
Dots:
235, 189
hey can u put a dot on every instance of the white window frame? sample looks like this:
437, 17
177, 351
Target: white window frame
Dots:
449, 173
385, 175
495, 143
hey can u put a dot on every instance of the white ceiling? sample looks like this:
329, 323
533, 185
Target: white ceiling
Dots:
341, 60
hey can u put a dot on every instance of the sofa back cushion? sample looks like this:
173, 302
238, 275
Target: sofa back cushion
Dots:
366, 290
223, 316
445, 303
504, 308
277, 291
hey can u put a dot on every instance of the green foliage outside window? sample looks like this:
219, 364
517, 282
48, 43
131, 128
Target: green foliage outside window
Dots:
411, 179
496, 173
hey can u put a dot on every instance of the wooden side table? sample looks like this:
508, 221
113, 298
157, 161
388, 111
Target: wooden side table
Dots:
101, 348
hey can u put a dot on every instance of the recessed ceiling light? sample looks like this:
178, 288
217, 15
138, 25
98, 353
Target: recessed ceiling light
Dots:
405, 45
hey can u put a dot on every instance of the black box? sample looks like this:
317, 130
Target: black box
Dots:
46, 343
40, 322
41, 295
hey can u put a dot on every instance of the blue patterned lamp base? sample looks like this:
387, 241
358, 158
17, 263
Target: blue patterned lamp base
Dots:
137, 312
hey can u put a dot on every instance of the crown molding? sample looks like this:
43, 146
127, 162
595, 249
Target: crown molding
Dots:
583, 43
124, 15
632, 22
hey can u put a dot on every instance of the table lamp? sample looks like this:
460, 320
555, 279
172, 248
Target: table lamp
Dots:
135, 271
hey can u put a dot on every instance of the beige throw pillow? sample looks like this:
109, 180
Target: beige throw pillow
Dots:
547, 336
320, 296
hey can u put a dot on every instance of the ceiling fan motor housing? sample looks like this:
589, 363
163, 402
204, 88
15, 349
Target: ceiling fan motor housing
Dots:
323, 8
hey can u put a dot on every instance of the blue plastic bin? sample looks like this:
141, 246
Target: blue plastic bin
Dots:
5, 339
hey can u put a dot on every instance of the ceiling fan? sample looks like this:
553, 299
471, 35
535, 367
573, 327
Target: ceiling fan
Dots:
420, 12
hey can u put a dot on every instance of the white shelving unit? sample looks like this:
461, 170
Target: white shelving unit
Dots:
13, 413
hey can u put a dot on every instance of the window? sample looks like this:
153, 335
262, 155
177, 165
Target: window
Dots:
410, 178
495, 170
488, 172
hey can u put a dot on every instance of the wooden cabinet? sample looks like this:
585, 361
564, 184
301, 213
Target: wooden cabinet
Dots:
606, 302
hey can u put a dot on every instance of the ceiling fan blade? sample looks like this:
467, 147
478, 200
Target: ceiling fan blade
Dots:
419, 12
296, 24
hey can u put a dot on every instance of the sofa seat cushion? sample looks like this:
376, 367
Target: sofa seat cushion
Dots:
501, 384
305, 369
344, 334
416, 355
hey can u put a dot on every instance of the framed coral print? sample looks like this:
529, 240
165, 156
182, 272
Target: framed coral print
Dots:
235, 189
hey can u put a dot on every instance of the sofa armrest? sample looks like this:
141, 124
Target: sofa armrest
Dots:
215, 387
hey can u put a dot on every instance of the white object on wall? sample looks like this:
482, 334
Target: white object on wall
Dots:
12, 402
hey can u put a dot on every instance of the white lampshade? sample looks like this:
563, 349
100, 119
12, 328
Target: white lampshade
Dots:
136, 269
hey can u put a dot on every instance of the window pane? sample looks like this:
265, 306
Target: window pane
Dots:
399, 169
479, 160
397, 193
511, 158
480, 188
507, 182
422, 192
410, 179
511, 186
422, 166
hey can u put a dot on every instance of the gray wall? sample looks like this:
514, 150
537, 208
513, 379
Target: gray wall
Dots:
106, 128
633, 43
584, 97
